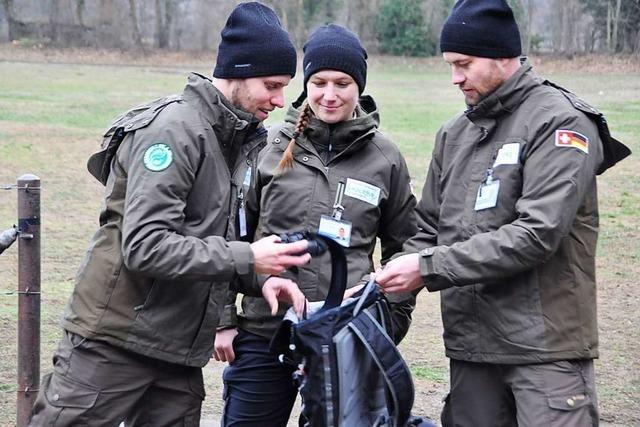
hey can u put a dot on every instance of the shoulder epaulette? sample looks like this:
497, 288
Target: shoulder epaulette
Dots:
613, 150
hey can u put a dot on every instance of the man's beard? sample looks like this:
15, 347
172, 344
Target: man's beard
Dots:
239, 95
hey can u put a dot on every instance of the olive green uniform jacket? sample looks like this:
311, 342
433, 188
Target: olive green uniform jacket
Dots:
296, 199
163, 255
517, 280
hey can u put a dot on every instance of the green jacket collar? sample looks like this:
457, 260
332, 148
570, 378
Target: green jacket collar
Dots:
340, 135
508, 96
229, 122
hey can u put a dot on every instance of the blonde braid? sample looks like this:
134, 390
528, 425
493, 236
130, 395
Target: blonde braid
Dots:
303, 121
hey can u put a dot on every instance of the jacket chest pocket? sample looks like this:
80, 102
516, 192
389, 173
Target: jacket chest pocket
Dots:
207, 205
505, 168
285, 201
362, 203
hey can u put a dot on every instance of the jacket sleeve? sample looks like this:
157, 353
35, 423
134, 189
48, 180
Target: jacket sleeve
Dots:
229, 311
428, 209
152, 243
555, 182
397, 224
398, 220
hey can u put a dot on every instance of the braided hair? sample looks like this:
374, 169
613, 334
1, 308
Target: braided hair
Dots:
303, 121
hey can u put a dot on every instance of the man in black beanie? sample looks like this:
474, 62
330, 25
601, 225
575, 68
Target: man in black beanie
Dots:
508, 225
141, 321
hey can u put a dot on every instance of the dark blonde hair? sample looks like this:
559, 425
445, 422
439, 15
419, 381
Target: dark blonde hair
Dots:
303, 121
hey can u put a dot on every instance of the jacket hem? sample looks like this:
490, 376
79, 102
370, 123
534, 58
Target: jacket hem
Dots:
521, 359
153, 353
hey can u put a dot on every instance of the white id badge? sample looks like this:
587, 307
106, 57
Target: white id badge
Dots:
242, 219
508, 154
487, 196
335, 229
247, 177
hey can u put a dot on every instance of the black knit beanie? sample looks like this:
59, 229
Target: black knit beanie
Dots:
254, 44
484, 28
336, 48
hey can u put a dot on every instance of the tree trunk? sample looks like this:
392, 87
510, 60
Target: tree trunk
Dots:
164, 13
528, 7
616, 26
299, 31
159, 36
8, 11
137, 39
80, 12
53, 21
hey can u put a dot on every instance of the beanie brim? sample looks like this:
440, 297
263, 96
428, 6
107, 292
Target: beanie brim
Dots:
284, 66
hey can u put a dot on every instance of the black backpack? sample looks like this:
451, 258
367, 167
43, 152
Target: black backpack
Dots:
350, 372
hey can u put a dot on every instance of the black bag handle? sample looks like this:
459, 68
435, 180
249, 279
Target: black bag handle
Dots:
319, 244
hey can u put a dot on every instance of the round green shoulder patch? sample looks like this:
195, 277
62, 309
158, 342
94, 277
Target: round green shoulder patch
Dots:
158, 157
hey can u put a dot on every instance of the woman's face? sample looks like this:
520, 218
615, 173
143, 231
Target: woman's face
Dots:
332, 95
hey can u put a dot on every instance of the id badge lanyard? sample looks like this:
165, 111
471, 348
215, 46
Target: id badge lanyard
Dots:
333, 226
242, 213
488, 191
338, 209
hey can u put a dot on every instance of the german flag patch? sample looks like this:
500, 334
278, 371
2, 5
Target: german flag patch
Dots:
569, 138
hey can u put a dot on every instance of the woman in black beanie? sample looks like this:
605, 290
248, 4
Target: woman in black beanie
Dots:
326, 169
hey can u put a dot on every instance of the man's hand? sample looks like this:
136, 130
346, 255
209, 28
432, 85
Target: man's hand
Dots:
272, 257
401, 274
223, 345
278, 289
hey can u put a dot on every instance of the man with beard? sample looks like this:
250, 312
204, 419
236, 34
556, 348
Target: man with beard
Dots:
508, 225
142, 318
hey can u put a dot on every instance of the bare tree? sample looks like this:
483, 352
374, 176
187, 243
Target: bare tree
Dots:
8, 11
133, 15
165, 9
613, 23
566, 26
529, 9
54, 20
616, 23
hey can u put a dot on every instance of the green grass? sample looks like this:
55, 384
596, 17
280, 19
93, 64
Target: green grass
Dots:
429, 373
51, 119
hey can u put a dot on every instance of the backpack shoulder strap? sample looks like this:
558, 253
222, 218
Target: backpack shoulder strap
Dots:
390, 362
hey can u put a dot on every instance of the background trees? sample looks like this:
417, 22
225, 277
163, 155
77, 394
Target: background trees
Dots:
398, 27
402, 29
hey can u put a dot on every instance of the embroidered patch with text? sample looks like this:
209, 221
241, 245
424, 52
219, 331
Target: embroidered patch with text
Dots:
569, 138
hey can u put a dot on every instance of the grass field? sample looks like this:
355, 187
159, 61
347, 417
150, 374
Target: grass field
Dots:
51, 117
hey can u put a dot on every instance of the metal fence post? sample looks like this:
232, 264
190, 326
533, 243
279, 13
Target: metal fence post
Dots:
28, 295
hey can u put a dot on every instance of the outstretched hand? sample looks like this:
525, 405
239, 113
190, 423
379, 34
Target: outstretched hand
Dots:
273, 257
278, 289
401, 274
